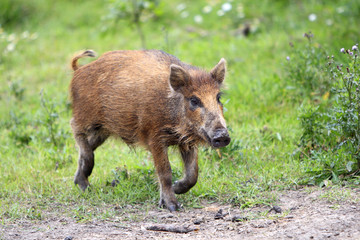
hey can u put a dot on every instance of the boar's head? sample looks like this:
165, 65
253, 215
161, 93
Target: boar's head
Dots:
202, 101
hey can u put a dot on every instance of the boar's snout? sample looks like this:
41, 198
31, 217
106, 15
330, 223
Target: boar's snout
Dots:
221, 138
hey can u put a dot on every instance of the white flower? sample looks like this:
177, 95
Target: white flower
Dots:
329, 22
10, 47
184, 14
181, 7
25, 34
207, 9
342, 50
312, 17
354, 48
226, 7
340, 10
220, 13
198, 19
146, 4
241, 15
288, 58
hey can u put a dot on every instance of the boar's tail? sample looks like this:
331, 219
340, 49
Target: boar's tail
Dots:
87, 53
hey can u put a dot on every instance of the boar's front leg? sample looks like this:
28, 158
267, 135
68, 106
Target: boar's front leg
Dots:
163, 169
190, 159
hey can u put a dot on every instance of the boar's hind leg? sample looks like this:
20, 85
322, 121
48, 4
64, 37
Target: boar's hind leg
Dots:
189, 157
97, 137
85, 163
87, 143
163, 169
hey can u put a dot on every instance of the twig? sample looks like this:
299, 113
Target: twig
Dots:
170, 228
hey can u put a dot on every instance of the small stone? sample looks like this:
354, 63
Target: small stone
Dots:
166, 215
198, 221
294, 208
276, 209
219, 214
68, 238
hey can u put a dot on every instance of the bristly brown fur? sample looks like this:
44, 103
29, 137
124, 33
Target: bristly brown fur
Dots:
143, 97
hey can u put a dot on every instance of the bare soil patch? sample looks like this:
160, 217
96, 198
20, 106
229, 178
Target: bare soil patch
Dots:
305, 214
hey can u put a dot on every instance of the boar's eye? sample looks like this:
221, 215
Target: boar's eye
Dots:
218, 98
195, 102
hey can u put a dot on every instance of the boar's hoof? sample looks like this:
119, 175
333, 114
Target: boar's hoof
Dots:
82, 183
172, 206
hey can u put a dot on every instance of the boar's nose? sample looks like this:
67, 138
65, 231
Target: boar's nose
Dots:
221, 138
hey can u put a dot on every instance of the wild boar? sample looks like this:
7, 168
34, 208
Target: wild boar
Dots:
147, 98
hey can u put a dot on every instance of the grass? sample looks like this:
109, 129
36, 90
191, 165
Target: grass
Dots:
38, 156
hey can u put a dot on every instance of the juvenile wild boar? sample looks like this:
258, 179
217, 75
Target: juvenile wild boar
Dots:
147, 98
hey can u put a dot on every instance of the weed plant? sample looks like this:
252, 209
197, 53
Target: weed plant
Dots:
306, 69
331, 130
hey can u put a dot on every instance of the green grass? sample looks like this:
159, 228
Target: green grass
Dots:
38, 156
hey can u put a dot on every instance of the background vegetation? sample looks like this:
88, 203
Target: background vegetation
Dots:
292, 99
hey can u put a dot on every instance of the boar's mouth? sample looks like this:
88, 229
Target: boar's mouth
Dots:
204, 133
219, 139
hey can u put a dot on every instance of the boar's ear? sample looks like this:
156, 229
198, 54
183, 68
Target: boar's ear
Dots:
179, 77
218, 72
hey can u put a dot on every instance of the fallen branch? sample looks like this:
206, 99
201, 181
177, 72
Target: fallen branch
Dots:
170, 228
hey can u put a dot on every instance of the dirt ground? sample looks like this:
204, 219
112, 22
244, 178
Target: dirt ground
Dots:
305, 214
